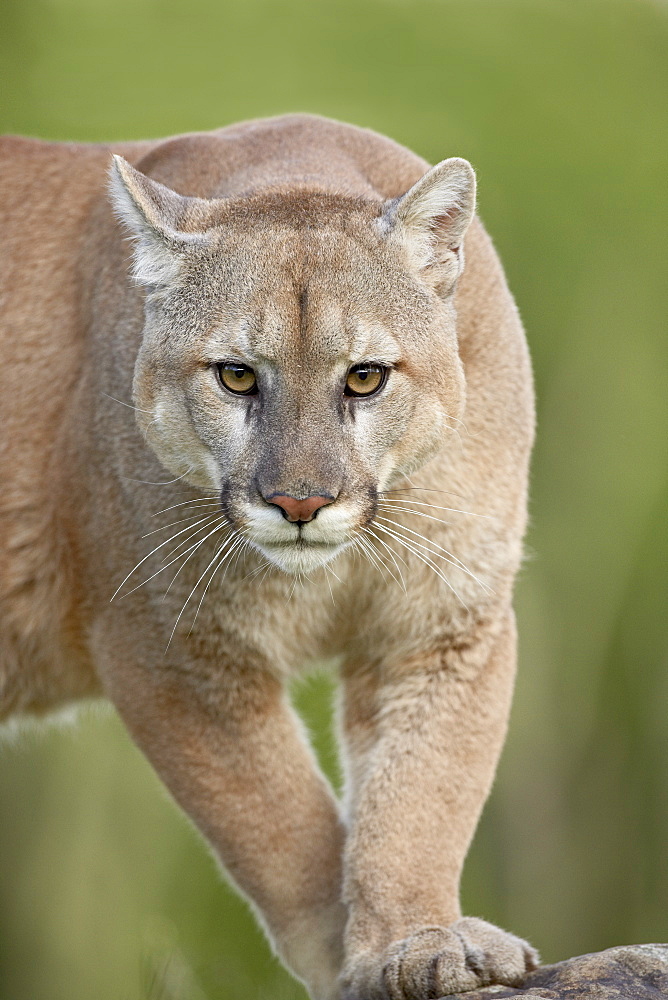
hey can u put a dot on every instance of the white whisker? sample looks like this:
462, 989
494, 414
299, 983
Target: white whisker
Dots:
329, 584
422, 489
373, 557
382, 561
262, 571
358, 544
425, 559
172, 524
192, 548
392, 556
263, 566
447, 557
457, 420
239, 552
330, 570
142, 561
420, 503
198, 502
129, 405
292, 589
210, 519
226, 555
185, 603
148, 482
409, 510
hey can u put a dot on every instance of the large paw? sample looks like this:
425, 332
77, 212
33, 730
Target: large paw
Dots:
435, 961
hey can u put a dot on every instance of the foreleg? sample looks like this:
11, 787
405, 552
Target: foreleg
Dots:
424, 738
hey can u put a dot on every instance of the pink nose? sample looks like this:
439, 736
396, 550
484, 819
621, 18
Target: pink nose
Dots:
299, 510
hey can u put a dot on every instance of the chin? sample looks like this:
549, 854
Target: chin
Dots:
297, 558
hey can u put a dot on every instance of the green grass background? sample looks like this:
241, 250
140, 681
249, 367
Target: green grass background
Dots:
106, 893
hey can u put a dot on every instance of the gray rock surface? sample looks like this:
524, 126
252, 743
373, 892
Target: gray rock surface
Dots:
632, 972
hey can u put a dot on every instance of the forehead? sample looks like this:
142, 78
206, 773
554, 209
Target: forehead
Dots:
312, 292
313, 324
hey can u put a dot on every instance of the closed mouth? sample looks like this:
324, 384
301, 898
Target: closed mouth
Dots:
300, 543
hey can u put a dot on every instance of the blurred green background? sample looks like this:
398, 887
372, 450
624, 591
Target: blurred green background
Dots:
106, 893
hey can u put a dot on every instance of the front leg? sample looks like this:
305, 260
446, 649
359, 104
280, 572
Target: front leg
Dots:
231, 751
424, 740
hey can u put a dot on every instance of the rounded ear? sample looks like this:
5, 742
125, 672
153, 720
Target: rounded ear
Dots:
154, 214
431, 220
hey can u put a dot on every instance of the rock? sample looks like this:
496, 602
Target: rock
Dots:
632, 972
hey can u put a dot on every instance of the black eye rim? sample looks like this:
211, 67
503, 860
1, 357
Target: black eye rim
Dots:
220, 365
384, 370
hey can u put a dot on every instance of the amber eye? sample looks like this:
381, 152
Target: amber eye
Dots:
238, 378
365, 379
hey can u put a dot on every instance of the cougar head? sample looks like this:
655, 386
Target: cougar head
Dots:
299, 352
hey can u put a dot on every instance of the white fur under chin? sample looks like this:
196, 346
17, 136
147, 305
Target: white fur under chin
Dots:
298, 559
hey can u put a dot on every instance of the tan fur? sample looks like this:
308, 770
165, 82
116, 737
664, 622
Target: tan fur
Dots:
300, 247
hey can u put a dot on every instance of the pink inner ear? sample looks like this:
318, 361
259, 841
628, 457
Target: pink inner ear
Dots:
440, 224
443, 218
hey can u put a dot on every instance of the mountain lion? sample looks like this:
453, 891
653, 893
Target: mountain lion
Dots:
294, 427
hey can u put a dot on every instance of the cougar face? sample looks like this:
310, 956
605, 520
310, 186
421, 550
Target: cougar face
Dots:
299, 356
